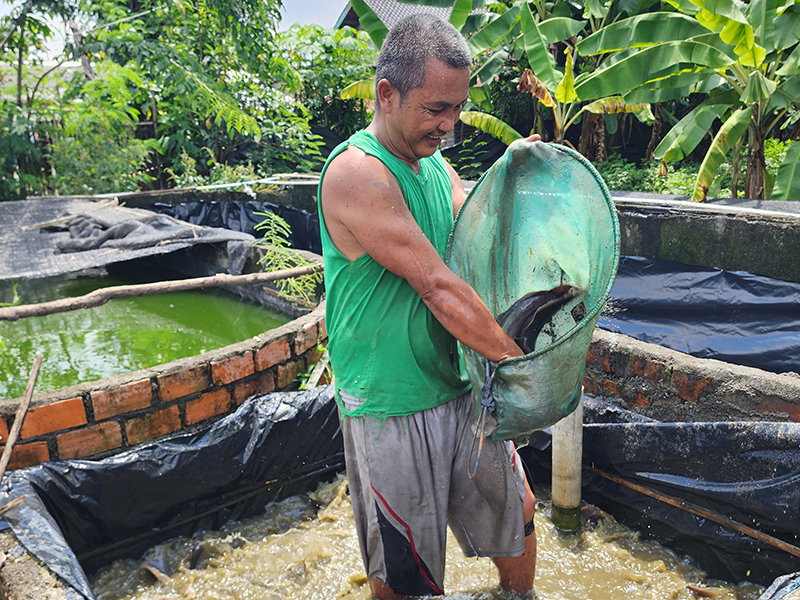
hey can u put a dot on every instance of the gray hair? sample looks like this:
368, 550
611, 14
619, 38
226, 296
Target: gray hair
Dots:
409, 45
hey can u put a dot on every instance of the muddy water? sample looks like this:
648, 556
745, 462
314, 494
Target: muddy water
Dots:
305, 548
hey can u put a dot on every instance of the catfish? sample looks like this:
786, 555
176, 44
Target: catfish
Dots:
524, 320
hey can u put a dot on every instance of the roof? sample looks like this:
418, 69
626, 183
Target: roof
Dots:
390, 12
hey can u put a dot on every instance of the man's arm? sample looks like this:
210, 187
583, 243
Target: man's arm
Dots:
365, 212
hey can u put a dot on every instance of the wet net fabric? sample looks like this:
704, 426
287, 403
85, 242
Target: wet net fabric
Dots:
53, 236
539, 218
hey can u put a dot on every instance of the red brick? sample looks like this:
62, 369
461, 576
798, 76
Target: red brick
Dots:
89, 440
182, 383
242, 391
610, 386
590, 387
56, 416
25, 455
690, 388
641, 400
117, 401
654, 370
153, 425
207, 406
323, 330
272, 354
305, 339
232, 369
265, 382
288, 372
3, 429
635, 366
599, 358
777, 406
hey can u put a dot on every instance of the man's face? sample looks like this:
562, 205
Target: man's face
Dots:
428, 112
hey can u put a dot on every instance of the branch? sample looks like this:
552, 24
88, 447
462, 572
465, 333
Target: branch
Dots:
103, 295
22, 15
20, 416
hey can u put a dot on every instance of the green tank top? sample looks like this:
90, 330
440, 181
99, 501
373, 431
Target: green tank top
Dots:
385, 345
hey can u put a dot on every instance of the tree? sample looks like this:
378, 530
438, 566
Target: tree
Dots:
745, 57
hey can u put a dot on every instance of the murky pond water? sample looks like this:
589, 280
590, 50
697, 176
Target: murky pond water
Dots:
305, 548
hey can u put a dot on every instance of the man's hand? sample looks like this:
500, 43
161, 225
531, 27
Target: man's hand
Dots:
533, 138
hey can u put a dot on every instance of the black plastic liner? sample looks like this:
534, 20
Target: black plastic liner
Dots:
80, 515
735, 317
238, 215
746, 471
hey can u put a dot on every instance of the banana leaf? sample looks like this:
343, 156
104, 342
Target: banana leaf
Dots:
490, 68
649, 64
787, 181
727, 137
364, 89
493, 32
556, 29
460, 12
374, 27
491, 125
540, 60
640, 31
691, 129
674, 87
480, 96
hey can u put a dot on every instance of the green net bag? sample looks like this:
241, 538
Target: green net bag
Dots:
540, 218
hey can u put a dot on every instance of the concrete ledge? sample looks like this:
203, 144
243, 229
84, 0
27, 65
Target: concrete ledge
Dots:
671, 386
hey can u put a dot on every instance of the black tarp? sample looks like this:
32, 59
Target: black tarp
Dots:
746, 471
736, 317
80, 515
238, 215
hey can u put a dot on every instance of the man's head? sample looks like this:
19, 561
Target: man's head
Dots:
422, 85
409, 45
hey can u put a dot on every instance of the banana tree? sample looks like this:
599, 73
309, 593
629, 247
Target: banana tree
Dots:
492, 38
745, 57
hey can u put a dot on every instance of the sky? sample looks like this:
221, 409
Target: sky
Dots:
305, 12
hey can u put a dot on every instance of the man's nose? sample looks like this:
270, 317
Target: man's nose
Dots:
449, 119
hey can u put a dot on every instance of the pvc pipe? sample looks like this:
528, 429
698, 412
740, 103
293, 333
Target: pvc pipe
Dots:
566, 482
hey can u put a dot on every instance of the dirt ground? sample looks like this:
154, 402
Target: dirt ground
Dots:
22, 576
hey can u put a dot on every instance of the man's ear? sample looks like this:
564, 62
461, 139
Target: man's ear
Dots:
388, 96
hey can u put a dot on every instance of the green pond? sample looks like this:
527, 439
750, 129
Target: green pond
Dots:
123, 335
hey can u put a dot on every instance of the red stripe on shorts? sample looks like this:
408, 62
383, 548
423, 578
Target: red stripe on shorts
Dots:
422, 572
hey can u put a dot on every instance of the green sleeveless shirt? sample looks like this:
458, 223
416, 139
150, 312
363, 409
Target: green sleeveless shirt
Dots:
385, 345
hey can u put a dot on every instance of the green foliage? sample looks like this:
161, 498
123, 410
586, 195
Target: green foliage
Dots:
95, 150
327, 60
278, 256
15, 300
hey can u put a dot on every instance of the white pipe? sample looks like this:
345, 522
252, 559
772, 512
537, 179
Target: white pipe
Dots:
566, 481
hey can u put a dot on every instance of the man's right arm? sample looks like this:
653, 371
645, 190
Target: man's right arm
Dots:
365, 212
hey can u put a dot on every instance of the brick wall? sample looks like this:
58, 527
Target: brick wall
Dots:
671, 386
110, 415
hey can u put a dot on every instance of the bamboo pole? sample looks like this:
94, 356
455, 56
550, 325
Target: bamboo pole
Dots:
22, 410
700, 512
103, 295
566, 479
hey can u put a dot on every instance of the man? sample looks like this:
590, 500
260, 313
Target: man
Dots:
394, 312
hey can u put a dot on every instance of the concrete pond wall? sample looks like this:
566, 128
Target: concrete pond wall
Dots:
107, 416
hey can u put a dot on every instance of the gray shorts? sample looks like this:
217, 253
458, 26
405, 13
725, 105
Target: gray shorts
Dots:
408, 479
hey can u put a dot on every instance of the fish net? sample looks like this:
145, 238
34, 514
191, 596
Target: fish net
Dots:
539, 218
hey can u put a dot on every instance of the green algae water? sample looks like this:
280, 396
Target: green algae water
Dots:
305, 548
123, 335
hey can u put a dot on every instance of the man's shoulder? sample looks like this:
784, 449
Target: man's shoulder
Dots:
354, 166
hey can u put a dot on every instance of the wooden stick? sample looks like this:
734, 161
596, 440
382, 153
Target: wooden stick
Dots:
103, 295
700, 512
318, 371
12, 505
22, 410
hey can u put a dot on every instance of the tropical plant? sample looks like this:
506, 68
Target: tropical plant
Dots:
745, 57
278, 255
327, 60
524, 33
